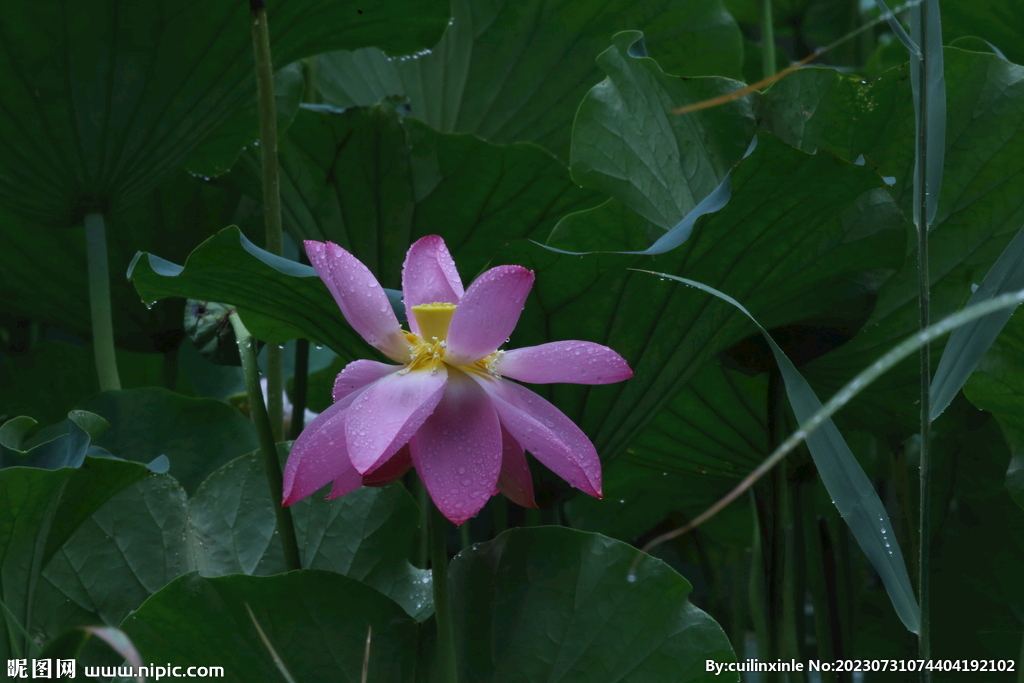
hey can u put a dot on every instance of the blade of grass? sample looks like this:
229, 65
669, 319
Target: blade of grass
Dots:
969, 343
366, 655
841, 398
849, 487
897, 27
278, 662
929, 89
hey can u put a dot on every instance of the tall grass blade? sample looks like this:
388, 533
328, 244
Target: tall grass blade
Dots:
897, 28
969, 343
845, 480
934, 106
278, 662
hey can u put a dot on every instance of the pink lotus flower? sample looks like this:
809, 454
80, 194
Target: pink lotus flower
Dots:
445, 409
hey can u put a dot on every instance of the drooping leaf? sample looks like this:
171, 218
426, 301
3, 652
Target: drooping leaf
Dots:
366, 534
277, 299
316, 621
499, 73
61, 445
551, 603
104, 100
627, 143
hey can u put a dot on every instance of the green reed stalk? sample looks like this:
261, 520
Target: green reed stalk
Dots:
271, 192
924, 302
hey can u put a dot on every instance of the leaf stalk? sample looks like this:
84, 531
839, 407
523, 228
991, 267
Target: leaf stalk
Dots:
271, 192
268, 448
99, 302
442, 596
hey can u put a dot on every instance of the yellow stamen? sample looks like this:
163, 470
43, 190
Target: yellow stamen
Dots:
433, 320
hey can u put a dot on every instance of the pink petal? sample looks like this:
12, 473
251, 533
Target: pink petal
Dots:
358, 374
319, 456
391, 470
360, 297
487, 313
458, 450
429, 276
575, 362
388, 412
515, 480
547, 433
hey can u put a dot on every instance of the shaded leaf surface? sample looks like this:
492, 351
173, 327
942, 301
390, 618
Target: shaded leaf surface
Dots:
103, 99
597, 626
316, 621
793, 228
366, 534
41, 511
979, 210
500, 73
196, 434
373, 182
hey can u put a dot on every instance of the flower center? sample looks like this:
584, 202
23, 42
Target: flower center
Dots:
427, 349
433, 320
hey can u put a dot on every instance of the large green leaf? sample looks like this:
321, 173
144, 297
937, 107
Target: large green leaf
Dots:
124, 552
104, 99
796, 225
317, 622
626, 141
366, 534
550, 603
221, 148
197, 435
978, 211
373, 181
39, 511
277, 299
502, 72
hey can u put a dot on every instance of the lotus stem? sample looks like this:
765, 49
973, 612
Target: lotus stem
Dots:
99, 302
271, 192
442, 597
268, 447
